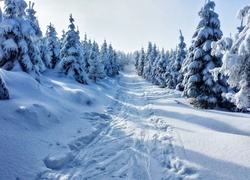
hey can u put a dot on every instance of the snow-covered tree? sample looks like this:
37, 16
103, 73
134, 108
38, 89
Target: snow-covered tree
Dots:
161, 69
62, 38
146, 68
44, 53
170, 70
112, 56
4, 93
105, 59
180, 56
86, 47
96, 68
17, 40
198, 80
30, 15
71, 63
38, 39
149, 61
123, 59
136, 59
236, 63
141, 63
53, 45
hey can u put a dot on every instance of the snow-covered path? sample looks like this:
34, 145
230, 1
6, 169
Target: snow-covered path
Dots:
122, 128
133, 144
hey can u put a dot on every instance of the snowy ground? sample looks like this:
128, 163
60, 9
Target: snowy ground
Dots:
123, 128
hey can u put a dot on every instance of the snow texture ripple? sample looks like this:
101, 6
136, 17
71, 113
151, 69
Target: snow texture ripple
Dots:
130, 141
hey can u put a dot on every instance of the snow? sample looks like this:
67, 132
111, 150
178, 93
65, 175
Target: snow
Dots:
122, 128
10, 45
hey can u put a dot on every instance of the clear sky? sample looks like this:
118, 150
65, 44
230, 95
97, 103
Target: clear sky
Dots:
130, 24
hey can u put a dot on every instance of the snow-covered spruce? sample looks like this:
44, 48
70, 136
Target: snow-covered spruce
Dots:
180, 56
53, 45
72, 64
141, 62
198, 81
86, 47
104, 56
4, 92
236, 63
96, 68
161, 68
114, 70
17, 39
149, 62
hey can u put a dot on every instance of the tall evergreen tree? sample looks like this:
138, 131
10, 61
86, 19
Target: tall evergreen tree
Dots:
17, 40
30, 15
141, 63
38, 39
161, 69
198, 81
44, 53
53, 45
71, 63
105, 59
112, 56
146, 68
96, 68
86, 46
180, 56
236, 63
136, 58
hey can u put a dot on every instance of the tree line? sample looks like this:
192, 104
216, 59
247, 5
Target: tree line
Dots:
23, 47
213, 72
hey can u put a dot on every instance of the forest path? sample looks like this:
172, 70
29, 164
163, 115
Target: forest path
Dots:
132, 143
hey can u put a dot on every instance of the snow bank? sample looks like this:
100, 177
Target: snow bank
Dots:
41, 121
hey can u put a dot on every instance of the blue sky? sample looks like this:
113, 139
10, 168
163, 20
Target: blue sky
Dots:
130, 24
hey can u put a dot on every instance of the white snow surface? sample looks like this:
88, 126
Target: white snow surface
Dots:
122, 128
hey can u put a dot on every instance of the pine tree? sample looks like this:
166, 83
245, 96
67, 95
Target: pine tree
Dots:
71, 63
113, 69
45, 53
149, 62
146, 68
53, 45
4, 93
17, 39
136, 58
114, 63
38, 39
62, 38
181, 55
198, 81
105, 59
30, 15
86, 46
96, 68
141, 63
161, 69
236, 63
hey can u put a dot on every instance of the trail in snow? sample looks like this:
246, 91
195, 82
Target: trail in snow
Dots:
131, 142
